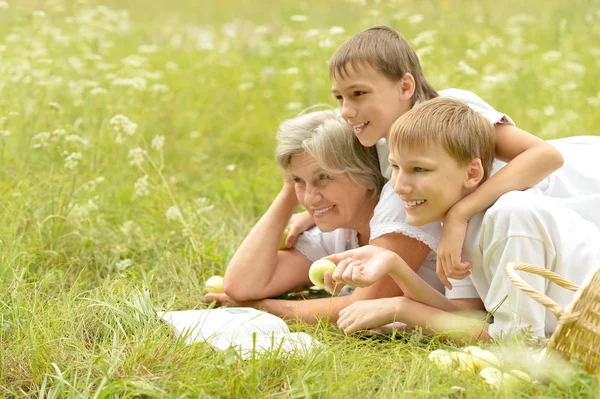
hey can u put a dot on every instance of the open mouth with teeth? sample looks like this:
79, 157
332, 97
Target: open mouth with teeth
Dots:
319, 212
414, 204
360, 129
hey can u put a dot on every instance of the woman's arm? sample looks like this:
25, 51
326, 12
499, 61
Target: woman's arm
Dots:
530, 160
259, 269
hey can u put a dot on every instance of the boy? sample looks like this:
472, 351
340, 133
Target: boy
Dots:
441, 151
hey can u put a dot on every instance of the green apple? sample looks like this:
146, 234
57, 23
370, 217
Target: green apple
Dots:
492, 376
284, 237
516, 379
317, 270
214, 285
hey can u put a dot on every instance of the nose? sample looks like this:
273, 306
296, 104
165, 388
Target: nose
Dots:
348, 110
312, 196
401, 183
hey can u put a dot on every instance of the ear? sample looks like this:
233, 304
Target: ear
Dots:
474, 174
407, 86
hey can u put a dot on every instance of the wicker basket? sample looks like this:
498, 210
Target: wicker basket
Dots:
577, 335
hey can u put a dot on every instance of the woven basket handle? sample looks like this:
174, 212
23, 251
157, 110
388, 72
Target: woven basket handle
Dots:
510, 269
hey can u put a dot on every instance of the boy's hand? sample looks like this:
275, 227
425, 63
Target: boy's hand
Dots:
367, 315
449, 264
298, 224
363, 266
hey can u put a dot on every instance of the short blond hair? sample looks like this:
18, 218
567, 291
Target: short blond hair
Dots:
328, 138
387, 51
462, 132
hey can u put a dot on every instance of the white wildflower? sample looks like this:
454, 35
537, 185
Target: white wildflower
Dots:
147, 49
302, 52
326, 43
261, 29
313, 33
549, 110
291, 71
130, 228
416, 19
41, 140
56, 107
134, 61
423, 51
3, 4
552, 56
159, 88
136, 156
84, 211
172, 67
245, 86
293, 106
39, 14
72, 161
142, 187
5, 133
285, 40
336, 30
230, 30
194, 134
122, 124
123, 264
230, 167
158, 142
299, 18
472, 54
59, 132
75, 138
568, 86
98, 91
466, 69
173, 214
138, 82
574, 67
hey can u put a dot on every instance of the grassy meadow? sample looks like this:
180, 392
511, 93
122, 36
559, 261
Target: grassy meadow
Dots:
136, 151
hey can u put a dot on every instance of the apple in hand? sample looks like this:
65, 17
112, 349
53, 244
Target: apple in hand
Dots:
214, 285
284, 237
317, 270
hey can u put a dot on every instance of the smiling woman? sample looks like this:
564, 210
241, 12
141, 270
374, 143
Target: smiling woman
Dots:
326, 170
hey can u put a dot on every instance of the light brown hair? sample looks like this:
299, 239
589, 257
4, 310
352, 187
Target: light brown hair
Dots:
463, 133
387, 51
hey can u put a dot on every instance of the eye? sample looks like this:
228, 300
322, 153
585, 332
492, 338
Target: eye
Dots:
395, 167
298, 180
418, 169
323, 177
338, 97
358, 93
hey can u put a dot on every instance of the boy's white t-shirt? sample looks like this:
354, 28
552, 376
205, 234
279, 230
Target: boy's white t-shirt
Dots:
565, 224
315, 244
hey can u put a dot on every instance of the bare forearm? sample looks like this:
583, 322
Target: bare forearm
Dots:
415, 288
310, 311
255, 261
459, 329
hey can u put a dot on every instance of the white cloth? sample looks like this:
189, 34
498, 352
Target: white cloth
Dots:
471, 99
315, 244
526, 226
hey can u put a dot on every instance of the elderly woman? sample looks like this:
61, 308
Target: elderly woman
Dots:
327, 171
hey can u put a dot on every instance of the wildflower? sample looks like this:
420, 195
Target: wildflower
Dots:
72, 161
292, 71
326, 43
122, 124
56, 107
142, 187
245, 86
299, 18
39, 14
231, 167
293, 106
158, 142
173, 214
98, 91
159, 88
466, 69
136, 156
336, 30
84, 211
416, 19
147, 48
285, 40
549, 110
313, 33
5, 133
3, 4
551, 56
172, 67
194, 134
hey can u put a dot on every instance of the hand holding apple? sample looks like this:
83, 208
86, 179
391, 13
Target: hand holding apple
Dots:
214, 285
284, 237
317, 270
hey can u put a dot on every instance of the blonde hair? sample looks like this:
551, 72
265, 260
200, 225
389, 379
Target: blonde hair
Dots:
328, 138
463, 133
387, 51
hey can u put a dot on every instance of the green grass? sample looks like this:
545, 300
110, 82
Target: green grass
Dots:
83, 259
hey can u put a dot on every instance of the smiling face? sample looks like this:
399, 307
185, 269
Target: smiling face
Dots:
370, 101
430, 182
333, 200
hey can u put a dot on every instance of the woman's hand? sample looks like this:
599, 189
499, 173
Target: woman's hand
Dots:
298, 224
449, 264
369, 315
363, 266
